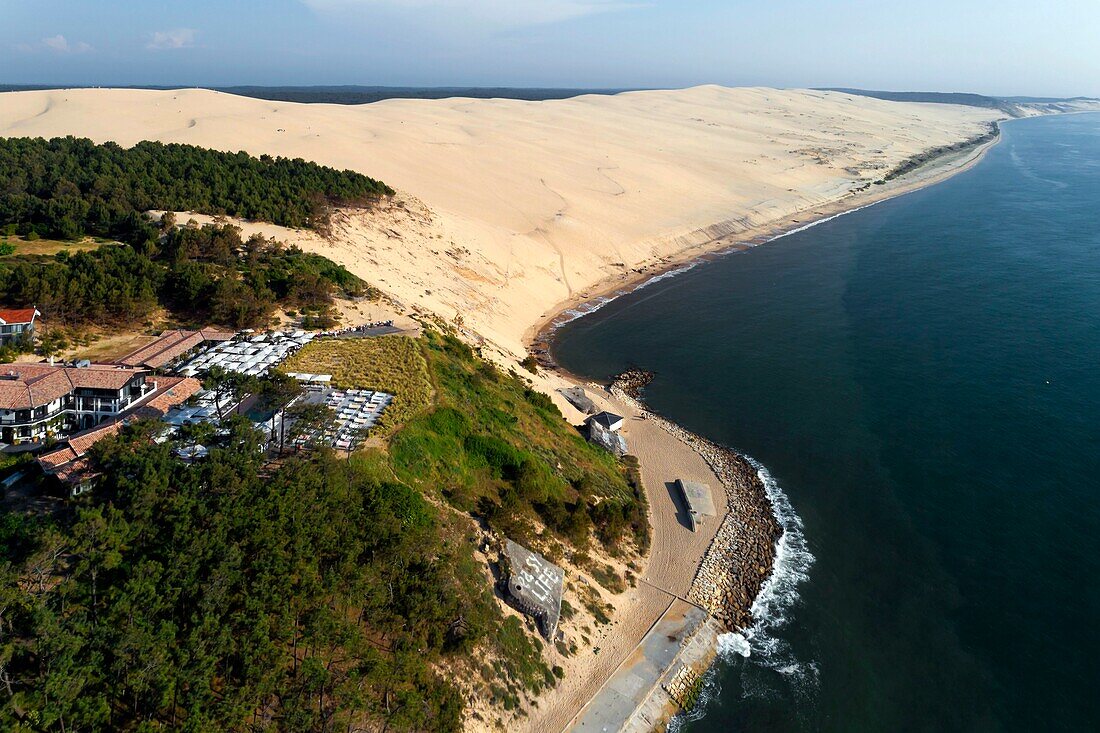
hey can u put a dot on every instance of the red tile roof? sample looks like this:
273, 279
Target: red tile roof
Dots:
26, 386
18, 315
74, 472
57, 457
69, 461
171, 345
166, 347
76, 446
214, 334
79, 443
102, 376
171, 391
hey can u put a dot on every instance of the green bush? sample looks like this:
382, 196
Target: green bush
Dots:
189, 597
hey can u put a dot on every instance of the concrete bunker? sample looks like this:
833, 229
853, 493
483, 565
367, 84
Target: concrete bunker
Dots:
534, 586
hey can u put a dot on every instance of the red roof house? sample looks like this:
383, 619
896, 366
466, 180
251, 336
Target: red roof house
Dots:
16, 321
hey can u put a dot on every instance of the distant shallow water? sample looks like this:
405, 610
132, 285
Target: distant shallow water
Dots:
921, 380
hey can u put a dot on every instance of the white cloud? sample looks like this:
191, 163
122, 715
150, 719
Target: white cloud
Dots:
60, 44
167, 40
497, 12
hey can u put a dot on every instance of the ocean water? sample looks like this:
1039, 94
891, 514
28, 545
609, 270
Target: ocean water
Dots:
921, 381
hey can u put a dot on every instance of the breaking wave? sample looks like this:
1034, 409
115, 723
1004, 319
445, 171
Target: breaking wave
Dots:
761, 645
772, 608
591, 306
823, 220
584, 309
667, 274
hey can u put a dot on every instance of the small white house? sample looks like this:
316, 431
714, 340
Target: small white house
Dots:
607, 421
603, 430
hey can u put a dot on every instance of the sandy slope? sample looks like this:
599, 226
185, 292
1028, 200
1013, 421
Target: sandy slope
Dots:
668, 572
510, 208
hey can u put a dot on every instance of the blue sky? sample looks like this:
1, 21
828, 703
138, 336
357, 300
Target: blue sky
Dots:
1038, 47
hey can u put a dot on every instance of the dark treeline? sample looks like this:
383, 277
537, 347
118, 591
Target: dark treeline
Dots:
201, 274
222, 596
71, 187
318, 593
913, 162
353, 94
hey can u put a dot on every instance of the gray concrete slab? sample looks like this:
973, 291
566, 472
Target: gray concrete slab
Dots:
535, 585
699, 499
612, 708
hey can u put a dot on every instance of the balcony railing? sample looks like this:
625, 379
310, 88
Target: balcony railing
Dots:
85, 405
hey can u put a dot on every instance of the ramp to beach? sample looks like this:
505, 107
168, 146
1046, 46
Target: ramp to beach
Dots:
619, 703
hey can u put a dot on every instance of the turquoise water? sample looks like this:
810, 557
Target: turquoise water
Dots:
922, 380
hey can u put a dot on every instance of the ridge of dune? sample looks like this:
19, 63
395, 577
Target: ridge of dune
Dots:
509, 208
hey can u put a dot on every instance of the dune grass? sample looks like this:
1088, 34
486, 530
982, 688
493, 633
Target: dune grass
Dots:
393, 364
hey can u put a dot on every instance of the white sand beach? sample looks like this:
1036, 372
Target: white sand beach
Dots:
508, 210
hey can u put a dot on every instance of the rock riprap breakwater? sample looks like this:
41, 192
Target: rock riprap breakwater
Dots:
741, 557
630, 384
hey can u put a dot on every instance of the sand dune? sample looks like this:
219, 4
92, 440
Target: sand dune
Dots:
509, 208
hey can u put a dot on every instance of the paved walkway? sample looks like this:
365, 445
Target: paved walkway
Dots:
631, 662
632, 682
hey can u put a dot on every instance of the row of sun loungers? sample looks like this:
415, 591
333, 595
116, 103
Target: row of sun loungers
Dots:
356, 411
253, 356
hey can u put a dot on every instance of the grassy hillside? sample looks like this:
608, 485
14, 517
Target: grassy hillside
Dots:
318, 593
497, 448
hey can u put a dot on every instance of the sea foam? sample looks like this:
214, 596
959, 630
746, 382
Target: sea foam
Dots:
581, 310
761, 644
773, 605
667, 274
823, 220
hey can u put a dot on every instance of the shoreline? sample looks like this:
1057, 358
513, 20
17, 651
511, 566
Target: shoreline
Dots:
741, 556
538, 338
740, 560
